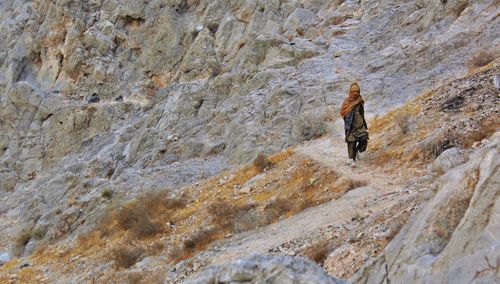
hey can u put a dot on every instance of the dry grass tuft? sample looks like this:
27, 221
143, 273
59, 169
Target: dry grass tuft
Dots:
200, 239
486, 128
261, 162
318, 252
235, 218
137, 222
344, 184
177, 254
22, 240
125, 255
143, 217
277, 208
403, 123
483, 58
107, 193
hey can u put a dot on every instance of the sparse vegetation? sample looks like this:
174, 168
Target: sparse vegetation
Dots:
107, 193
261, 162
483, 58
201, 238
318, 252
403, 123
126, 255
38, 233
144, 216
22, 240
136, 221
276, 208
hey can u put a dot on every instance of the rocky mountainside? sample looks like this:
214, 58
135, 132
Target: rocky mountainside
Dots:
103, 102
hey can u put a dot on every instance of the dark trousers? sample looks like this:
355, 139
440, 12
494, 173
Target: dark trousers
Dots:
354, 147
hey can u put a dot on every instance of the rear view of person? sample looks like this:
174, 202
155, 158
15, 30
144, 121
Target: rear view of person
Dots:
356, 130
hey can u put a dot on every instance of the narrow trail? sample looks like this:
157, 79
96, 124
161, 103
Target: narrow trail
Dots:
373, 197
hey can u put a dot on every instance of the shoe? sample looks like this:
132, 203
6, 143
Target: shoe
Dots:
351, 163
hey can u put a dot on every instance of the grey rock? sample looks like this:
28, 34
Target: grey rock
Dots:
300, 20
219, 76
265, 269
455, 237
5, 257
449, 159
496, 81
8, 181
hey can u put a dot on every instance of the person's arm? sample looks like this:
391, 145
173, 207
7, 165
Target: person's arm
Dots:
348, 120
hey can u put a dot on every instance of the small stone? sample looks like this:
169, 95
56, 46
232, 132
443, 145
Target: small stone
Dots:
5, 257
496, 81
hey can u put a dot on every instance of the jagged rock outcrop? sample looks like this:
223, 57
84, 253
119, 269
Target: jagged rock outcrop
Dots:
455, 238
266, 269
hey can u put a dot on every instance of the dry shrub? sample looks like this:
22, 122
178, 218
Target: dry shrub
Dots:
433, 146
318, 252
126, 256
142, 217
483, 58
158, 201
177, 254
22, 240
276, 208
344, 184
302, 204
38, 233
200, 239
402, 122
457, 9
337, 20
107, 193
261, 162
226, 215
485, 130
143, 276
338, 33
155, 248
136, 222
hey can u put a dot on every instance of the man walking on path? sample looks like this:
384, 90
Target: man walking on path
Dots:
356, 130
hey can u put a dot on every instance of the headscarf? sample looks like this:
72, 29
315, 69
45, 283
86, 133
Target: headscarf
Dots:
352, 100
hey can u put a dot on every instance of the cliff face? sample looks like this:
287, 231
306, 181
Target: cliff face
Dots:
133, 96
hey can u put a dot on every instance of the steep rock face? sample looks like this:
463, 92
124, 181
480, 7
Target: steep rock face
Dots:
142, 95
455, 237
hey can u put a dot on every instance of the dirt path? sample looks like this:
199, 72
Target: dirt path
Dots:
374, 197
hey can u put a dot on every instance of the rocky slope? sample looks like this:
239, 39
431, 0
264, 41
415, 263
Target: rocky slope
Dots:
120, 98
455, 237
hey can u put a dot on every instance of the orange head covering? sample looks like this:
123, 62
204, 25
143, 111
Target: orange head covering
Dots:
352, 100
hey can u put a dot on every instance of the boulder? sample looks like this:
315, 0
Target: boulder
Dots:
447, 160
266, 269
5, 257
300, 20
7, 181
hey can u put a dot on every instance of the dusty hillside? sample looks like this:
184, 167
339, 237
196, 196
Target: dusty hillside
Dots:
259, 208
128, 129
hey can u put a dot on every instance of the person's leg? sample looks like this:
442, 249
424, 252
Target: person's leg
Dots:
356, 146
351, 150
